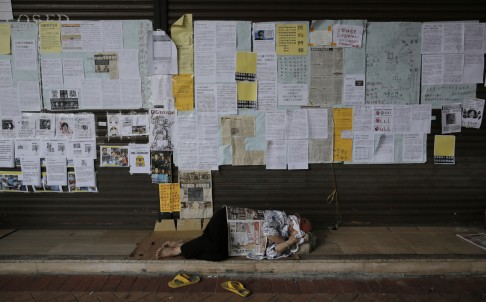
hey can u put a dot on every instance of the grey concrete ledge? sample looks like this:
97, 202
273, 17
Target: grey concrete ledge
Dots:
274, 268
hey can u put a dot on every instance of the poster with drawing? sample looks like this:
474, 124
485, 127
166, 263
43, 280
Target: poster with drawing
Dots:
162, 124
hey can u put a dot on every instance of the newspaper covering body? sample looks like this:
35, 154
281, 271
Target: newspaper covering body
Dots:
245, 231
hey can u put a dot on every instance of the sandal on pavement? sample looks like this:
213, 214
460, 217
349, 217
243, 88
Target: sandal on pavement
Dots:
236, 287
183, 280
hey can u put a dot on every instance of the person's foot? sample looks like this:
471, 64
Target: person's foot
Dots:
165, 252
173, 243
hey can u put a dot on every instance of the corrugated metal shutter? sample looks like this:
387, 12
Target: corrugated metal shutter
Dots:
368, 194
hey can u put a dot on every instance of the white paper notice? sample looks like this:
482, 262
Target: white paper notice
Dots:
421, 118
81, 149
432, 69
413, 147
91, 97
402, 119
7, 153
73, 72
473, 68
25, 54
363, 147
293, 94
56, 170
52, 73
384, 148
474, 34
347, 35
84, 172
275, 125
276, 154
29, 95
354, 89
205, 96
317, 123
297, 154
226, 98
267, 96
382, 118
112, 40
432, 37
267, 67
92, 35
31, 171
297, 124
128, 64
362, 118
111, 94
9, 102
131, 93
5, 74
453, 68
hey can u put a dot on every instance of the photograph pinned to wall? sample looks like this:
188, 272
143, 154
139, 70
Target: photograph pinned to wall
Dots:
11, 181
161, 166
472, 113
113, 156
162, 124
64, 99
45, 125
196, 194
65, 125
9, 129
84, 127
73, 188
44, 188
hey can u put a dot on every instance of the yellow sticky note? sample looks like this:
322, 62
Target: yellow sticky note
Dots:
246, 65
246, 91
4, 39
183, 91
50, 37
169, 195
343, 148
175, 198
291, 39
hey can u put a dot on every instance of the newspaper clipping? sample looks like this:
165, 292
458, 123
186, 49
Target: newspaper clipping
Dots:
196, 194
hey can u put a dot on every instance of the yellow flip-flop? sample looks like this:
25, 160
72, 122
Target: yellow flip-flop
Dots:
236, 287
183, 280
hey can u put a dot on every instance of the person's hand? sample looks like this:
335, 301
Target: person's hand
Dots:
292, 234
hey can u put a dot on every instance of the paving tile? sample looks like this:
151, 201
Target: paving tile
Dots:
361, 286
251, 284
97, 283
320, 285
218, 288
22, 297
153, 284
126, 283
293, 286
139, 284
348, 285
374, 286
333, 286
130, 296
306, 286
163, 284
365, 298
4, 280
112, 283
66, 297
208, 285
279, 286
26, 284
41, 282
322, 297
56, 283
108, 297
265, 286
75, 283
260, 297
15, 282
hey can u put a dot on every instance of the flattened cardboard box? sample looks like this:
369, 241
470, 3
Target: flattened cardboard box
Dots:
168, 230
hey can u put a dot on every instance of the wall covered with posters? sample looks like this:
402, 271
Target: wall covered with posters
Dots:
358, 109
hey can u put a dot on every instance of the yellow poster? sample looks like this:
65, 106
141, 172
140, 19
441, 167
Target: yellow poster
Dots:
50, 37
169, 195
181, 34
183, 91
246, 63
4, 39
247, 94
291, 39
444, 149
343, 147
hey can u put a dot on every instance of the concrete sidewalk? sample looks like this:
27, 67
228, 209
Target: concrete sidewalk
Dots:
348, 250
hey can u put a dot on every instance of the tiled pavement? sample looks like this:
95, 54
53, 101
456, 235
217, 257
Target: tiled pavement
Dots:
155, 288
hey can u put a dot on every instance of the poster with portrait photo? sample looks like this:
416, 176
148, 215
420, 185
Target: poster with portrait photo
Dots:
64, 99
45, 125
451, 118
472, 113
65, 125
9, 129
26, 125
84, 126
161, 166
